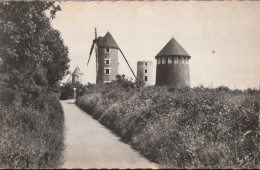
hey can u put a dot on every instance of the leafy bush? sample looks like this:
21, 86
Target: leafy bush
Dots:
31, 136
67, 91
33, 59
126, 83
181, 128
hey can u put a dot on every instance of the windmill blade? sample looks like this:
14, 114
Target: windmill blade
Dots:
127, 62
91, 50
93, 44
95, 33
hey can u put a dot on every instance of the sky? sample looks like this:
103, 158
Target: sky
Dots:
222, 37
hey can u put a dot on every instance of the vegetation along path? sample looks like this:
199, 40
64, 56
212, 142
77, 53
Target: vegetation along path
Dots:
90, 145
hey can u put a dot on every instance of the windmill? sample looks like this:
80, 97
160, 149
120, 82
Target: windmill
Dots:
106, 50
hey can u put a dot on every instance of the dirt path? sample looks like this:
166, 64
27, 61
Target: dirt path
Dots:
90, 145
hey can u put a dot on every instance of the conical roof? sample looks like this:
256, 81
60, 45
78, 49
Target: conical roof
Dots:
172, 48
108, 41
76, 71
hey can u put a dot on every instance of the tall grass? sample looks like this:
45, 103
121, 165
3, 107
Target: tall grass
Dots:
182, 128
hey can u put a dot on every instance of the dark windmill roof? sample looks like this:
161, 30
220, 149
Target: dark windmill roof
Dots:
172, 48
76, 71
108, 41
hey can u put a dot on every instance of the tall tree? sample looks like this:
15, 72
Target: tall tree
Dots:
33, 55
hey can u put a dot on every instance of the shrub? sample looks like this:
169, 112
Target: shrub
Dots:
67, 91
31, 136
181, 128
223, 88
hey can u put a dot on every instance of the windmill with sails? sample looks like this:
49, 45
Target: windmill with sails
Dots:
106, 50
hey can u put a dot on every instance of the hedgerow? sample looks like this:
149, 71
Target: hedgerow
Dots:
181, 128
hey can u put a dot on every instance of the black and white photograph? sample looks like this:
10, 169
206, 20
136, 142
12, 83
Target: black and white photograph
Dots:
129, 84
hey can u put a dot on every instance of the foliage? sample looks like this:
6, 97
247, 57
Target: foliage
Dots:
31, 137
67, 91
32, 52
33, 59
126, 83
182, 128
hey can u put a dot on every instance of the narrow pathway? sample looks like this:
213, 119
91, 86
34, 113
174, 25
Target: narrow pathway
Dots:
90, 145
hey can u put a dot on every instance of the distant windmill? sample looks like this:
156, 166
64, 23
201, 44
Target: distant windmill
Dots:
75, 77
106, 50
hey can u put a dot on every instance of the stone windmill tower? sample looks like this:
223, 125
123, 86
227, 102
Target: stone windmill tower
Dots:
76, 76
173, 65
145, 72
107, 51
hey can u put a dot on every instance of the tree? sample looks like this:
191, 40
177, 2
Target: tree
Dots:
34, 57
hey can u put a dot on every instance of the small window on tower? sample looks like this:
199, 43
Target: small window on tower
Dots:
185, 60
108, 50
145, 78
180, 60
107, 71
158, 60
169, 60
175, 60
164, 60
107, 61
145, 71
146, 64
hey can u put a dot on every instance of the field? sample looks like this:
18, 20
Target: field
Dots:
181, 128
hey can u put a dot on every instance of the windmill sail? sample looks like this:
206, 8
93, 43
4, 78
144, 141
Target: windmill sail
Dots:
93, 45
127, 62
91, 50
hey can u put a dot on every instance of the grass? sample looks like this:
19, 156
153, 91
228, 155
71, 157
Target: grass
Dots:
181, 128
